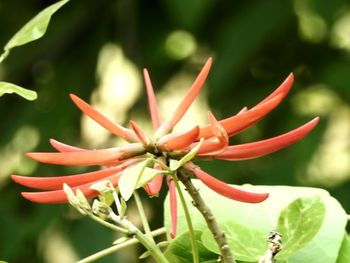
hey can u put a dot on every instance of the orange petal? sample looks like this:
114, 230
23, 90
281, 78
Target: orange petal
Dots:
219, 143
243, 120
225, 189
264, 147
56, 183
283, 89
62, 147
91, 157
173, 207
186, 102
59, 196
153, 187
178, 140
152, 101
111, 126
139, 133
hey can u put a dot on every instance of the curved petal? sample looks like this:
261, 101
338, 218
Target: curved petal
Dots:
153, 187
152, 101
225, 189
245, 119
178, 140
283, 89
62, 147
59, 196
264, 147
91, 157
56, 183
186, 102
214, 145
111, 126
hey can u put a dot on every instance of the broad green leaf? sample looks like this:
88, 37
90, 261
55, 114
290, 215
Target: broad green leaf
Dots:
188, 157
34, 29
298, 223
179, 251
344, 252
324, 247
128, 180
247, 244
6, 87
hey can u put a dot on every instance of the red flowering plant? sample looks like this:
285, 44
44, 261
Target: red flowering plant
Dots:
147, 160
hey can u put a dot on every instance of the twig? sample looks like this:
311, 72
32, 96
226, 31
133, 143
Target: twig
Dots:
143, 217
127, 243
213, 225
275, 245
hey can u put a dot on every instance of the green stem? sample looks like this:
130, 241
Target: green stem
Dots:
127, 243
143, 217
212, 224
141, 237
109, 225
188, 220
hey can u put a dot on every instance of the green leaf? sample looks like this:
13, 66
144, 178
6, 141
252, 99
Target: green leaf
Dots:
344, 252
263, 217
128, 181
247, 244
34, 29
174, 165
179, 251
145, 255
298, 223
6, 87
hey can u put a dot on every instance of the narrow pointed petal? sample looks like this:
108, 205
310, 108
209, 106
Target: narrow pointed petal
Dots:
111, 126
178, 140
173, 207
60, 197
153, 187
225, 189
213, 145
186, 102
283, 89
152, 101
139, 133
91, 157
243, 120
264, 147
56, 183
62, 147
244, 109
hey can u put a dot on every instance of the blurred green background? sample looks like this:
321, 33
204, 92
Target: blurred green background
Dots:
97, 49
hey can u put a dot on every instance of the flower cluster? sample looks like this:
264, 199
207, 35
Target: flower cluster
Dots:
210, 141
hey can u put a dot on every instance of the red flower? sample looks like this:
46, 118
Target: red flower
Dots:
165, 144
